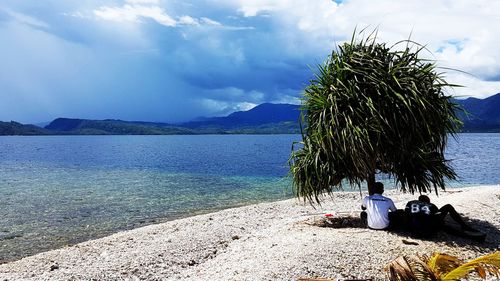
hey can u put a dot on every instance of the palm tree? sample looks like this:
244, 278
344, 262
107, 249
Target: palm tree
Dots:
374, 109
441, 267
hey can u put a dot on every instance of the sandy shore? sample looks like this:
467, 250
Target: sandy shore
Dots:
269, 241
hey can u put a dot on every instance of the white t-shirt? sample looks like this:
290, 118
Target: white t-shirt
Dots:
377, 209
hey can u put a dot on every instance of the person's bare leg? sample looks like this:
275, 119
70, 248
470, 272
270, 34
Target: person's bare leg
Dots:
466, 230
448, 209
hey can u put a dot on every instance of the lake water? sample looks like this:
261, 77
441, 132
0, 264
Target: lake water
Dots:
61, 190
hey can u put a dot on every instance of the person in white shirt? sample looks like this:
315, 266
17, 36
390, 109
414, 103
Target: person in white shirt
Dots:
376, 208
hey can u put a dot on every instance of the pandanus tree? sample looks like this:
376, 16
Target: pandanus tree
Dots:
374, 109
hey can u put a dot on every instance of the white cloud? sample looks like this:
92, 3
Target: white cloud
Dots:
134, 13
473, 86
254, 9
187, 20
210, 21
25, 19
222, 107
244, 106
288, 96
137, 10
77, 14
462, 34
465, 33
236, 95
153, 2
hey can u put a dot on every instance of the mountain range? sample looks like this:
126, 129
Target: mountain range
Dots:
482, 115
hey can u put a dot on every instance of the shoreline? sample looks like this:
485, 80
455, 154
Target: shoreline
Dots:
161, 220
265, 241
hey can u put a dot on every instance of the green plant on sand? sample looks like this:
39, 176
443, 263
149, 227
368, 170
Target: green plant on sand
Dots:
441, 267
371, 109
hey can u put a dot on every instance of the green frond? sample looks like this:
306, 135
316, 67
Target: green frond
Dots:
374, 108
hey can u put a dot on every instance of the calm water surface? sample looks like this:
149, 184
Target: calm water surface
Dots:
60, 190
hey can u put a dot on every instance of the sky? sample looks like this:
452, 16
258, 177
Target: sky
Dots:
172, 60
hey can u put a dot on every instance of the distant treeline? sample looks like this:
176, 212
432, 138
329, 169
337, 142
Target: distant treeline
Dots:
15, 129
483, 115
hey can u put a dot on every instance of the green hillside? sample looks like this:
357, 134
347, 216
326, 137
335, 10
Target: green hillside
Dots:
17, 129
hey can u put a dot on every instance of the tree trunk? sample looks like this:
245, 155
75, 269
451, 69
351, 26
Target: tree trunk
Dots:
371, 183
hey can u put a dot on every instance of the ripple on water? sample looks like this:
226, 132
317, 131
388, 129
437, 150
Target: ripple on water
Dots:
57, 191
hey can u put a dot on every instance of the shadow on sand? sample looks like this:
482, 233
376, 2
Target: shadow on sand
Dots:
450, 236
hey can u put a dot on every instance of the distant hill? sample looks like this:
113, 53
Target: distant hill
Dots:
70, 126
483, 116
17, 129
263, 119
266, 113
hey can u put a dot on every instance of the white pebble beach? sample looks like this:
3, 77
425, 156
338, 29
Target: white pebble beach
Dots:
267, 241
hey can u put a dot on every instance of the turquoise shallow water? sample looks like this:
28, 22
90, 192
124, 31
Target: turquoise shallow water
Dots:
56, 191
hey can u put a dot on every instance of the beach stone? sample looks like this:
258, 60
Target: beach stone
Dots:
279, 243
54, 267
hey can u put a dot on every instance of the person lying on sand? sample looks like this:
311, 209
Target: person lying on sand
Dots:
379, 211
425, 219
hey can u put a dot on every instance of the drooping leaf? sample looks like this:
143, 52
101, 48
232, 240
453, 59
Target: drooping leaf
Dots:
485, 264
441, 267
371, 109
